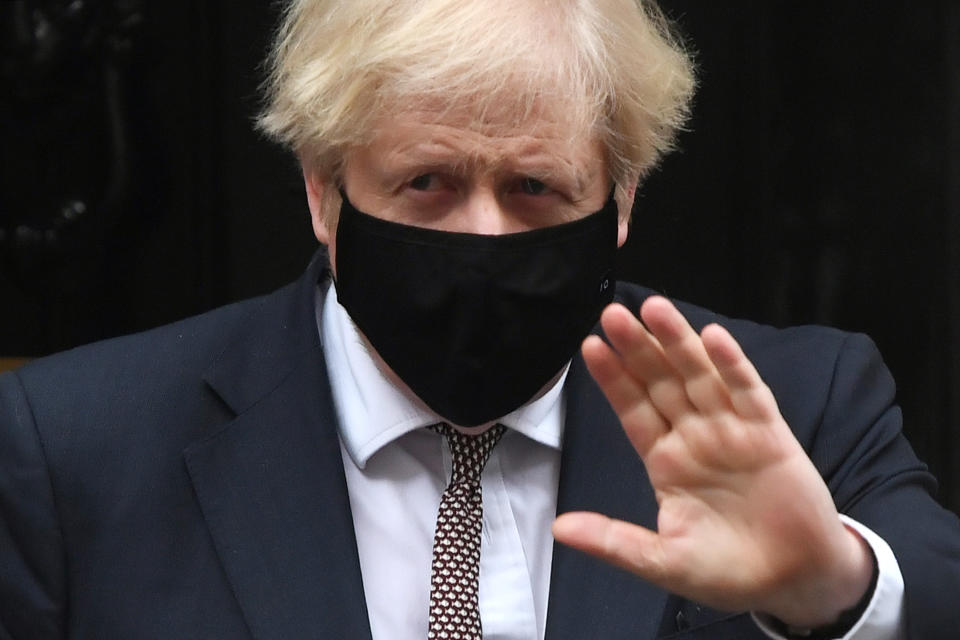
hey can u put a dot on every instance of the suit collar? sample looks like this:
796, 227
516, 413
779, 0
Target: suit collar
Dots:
270, 483
279, 330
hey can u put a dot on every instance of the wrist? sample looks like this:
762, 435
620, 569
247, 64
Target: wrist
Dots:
841, 614
840, 627
837, 587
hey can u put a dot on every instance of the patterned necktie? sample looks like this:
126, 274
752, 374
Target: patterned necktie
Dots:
455, 572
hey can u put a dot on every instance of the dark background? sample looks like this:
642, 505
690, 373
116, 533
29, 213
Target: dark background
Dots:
819, 180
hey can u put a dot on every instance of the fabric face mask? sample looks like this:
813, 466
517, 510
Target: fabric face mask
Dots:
475, 324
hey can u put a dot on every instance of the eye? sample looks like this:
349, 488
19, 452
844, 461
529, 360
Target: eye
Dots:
426, 182
533, 187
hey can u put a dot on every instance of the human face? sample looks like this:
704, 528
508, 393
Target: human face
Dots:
452, 172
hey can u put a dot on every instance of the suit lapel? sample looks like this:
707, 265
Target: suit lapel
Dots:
599, 471
271, 483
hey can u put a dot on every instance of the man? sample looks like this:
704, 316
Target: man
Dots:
273, 469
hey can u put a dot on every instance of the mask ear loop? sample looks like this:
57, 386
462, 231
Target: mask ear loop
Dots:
343, 193
613, 195
609, 278
344, 204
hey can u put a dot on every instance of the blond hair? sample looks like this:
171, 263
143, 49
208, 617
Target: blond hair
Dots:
613, 65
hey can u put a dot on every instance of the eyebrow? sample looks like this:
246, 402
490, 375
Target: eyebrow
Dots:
555, 169
539, 165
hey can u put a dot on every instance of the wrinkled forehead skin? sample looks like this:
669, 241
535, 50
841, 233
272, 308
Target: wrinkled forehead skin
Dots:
546, 122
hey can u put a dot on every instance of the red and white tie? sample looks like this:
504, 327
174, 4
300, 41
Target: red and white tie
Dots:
455, 571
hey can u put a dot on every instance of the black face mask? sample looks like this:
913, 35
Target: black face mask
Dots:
475, 324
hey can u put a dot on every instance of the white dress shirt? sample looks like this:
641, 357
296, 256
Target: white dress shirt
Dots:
396, 471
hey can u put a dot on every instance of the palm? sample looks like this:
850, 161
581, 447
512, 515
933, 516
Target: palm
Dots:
745, 519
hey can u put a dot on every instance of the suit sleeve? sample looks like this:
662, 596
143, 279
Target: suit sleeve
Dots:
876, 479
32, 567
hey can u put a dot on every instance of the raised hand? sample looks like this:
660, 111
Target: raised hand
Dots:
745, 521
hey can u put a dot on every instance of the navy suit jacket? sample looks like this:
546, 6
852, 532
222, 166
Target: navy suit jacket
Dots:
187, 483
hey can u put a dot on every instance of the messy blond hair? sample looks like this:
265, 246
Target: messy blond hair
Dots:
613, 65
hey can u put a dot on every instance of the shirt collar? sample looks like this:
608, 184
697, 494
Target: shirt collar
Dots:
373, 411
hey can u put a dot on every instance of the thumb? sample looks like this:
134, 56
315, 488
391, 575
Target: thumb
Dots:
620, 543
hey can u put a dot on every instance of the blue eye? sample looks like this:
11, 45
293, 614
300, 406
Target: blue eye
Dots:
533, 187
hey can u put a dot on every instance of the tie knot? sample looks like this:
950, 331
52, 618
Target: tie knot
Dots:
469, 452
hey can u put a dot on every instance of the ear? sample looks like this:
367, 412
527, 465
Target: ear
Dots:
625, 207
315, 190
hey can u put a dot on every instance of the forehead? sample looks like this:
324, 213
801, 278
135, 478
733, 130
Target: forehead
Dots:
491, 137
